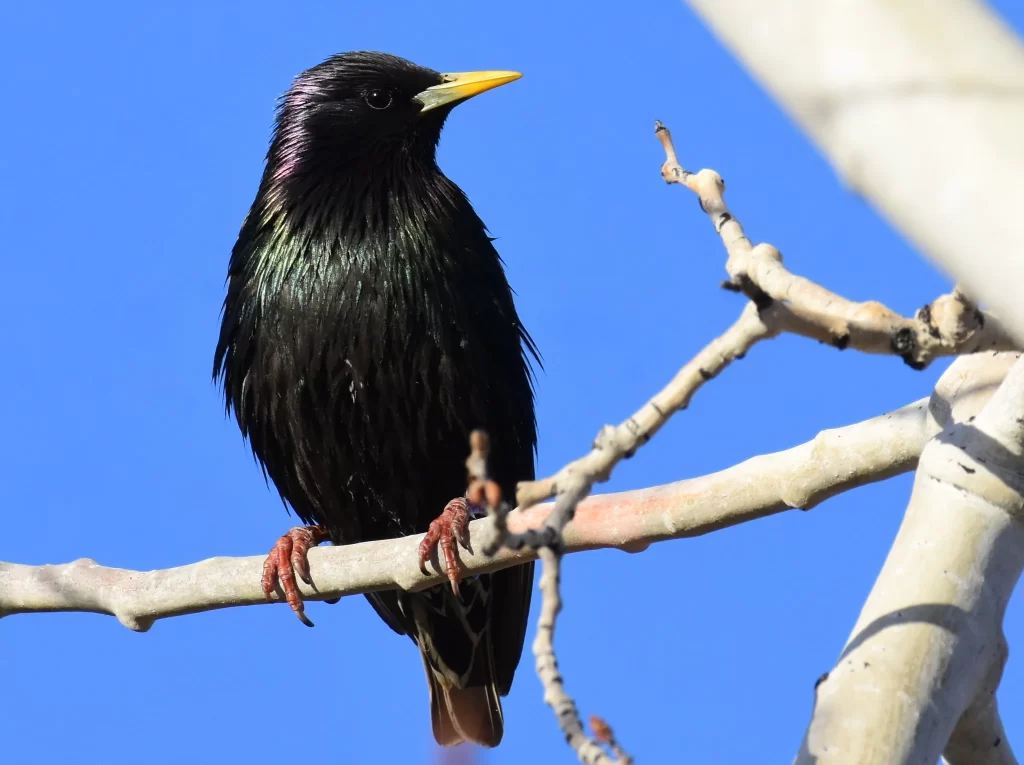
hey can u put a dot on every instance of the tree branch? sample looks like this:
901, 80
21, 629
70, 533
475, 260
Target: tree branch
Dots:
833, 462
949, 326
928, 647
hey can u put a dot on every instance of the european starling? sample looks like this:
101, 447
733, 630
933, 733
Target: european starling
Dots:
368, 329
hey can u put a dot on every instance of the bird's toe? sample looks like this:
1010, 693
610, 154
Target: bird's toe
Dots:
446, 532
288, 558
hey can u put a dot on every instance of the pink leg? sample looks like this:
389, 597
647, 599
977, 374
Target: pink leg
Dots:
286, 559
445, 533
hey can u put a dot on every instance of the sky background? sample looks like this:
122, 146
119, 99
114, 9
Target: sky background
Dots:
133, 137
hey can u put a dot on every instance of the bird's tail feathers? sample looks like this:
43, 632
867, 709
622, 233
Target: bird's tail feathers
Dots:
454, 636
465, 714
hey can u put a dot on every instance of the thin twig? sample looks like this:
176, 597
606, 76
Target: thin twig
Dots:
485, 492
949, 326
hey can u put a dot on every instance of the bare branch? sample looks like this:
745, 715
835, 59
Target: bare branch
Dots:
949, 326
833, 462
587, 749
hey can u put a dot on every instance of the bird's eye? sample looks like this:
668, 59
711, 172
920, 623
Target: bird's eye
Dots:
378, 99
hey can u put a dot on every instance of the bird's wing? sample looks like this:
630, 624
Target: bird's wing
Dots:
512, 589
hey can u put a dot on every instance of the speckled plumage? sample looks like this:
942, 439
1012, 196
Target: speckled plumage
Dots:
368, 328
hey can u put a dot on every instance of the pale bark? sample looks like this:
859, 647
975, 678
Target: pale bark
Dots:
834, 461
928, 646
979, 737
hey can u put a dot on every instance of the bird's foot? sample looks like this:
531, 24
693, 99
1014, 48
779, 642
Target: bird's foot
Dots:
286, 559
445, 533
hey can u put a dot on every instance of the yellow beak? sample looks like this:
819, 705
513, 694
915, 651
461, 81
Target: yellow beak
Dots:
458, 86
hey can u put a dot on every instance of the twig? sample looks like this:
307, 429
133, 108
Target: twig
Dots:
949, 326
485, 492
587, 749
779, 302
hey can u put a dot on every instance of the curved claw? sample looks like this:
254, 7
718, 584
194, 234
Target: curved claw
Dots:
445, 533
286, 559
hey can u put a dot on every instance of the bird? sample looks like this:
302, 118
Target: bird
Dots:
368, 328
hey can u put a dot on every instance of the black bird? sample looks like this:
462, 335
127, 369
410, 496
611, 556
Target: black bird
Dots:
368, 329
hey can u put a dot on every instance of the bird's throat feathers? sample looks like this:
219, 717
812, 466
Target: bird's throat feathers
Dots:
386, 206
309, 179
350, 189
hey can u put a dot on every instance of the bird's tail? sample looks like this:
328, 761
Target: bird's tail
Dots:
455, 636
465, 714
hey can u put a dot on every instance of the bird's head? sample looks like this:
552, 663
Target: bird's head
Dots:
359, 105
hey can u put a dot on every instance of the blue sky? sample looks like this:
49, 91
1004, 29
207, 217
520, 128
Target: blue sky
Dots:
133, 139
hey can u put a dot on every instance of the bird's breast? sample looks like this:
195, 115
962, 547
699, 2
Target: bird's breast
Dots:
373, 348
